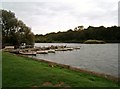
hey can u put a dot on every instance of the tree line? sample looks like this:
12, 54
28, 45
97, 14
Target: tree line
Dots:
79, 35
14, 31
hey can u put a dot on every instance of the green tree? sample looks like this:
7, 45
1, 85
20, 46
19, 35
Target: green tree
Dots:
14, 31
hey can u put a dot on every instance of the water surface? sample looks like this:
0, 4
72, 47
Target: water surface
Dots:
102, 58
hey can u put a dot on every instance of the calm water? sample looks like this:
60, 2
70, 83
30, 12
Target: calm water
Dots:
101, 58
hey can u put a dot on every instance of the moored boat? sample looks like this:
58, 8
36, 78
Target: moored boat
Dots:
69, 49
42, 52
77, 48
61, 49
51, 51
28, 53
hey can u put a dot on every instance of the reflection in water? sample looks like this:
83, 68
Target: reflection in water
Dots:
101, 58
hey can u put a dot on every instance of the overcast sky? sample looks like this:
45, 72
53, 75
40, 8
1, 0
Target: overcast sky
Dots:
45, 16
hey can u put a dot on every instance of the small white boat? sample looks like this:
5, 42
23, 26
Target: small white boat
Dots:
77, 48
42, 52
62, 49
28, 53
69, 49
51, 51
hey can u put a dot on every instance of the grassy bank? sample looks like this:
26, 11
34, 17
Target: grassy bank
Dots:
24, 72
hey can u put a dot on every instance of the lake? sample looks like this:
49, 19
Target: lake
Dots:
102, 58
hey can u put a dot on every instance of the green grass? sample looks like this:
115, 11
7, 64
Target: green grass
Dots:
0, 68
24, 72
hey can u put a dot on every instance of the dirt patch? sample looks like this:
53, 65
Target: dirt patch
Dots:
47, 84
34, 87
59, 84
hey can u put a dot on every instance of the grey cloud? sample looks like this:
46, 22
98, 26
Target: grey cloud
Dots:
52, 14
53, 9
119, 13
